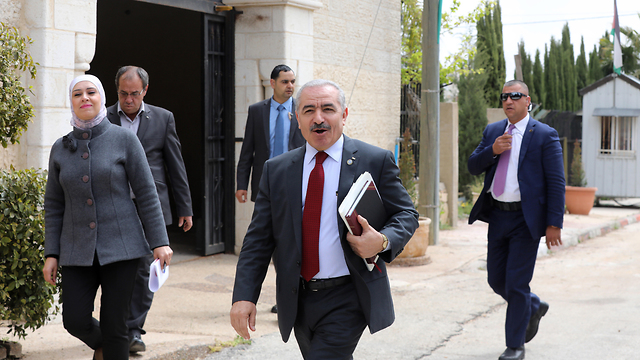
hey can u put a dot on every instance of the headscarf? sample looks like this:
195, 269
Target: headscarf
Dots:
77, 122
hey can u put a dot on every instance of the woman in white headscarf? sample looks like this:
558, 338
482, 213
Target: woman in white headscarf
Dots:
92, 228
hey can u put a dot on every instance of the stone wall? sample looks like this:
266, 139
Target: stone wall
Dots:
342, 29
63, 34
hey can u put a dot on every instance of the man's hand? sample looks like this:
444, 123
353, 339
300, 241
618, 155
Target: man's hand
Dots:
241, 195
187, 221
502, 144
243, 315
553, 236
50, 270
369, 243
163, 253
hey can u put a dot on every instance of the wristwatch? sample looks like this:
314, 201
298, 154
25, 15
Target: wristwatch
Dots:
385, 242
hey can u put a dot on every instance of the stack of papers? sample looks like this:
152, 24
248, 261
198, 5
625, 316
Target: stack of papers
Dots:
157, 275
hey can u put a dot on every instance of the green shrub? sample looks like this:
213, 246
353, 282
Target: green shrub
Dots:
577, 177
15, 108
25, 297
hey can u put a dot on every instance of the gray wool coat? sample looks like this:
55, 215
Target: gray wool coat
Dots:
88, 206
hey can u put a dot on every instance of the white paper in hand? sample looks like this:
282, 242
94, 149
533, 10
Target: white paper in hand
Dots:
157, 276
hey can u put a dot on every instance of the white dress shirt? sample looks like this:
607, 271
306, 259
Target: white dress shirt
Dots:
332, 262
511, 187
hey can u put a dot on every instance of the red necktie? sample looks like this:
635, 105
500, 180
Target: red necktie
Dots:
311, 220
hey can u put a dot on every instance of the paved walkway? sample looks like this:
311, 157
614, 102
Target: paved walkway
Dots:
193, 306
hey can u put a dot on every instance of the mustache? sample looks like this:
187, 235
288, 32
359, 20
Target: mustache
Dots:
323, 126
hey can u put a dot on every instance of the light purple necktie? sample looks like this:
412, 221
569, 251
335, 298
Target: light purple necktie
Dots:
500, 177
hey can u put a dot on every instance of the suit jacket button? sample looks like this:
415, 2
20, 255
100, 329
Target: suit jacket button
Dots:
85, 155
85, 178
294, 290
298, 263
85, 136
92, 225
89, 202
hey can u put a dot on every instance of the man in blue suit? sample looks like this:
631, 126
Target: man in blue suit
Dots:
522, 200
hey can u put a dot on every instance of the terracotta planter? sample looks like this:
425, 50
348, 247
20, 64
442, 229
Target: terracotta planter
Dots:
414, 252
579, 200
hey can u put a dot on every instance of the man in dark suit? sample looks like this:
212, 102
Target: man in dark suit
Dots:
156, 130
522, 200
265, 124
324, 289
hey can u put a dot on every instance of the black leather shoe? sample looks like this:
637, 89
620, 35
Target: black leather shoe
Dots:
274, 309
136, 345
513, 354
532, 328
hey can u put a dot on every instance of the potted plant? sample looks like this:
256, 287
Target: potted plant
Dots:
414, 252
578, 197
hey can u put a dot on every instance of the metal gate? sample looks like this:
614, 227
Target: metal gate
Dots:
219, 134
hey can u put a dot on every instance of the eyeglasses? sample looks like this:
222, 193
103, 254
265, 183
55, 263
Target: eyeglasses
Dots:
134, 94
513, 95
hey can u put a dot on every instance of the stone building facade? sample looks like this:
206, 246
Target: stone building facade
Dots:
355, 43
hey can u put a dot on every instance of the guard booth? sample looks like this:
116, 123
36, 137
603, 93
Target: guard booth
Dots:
611, 107
187, 47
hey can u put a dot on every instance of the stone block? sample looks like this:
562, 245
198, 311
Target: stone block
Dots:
305, 72
301, 47
293, 20
85, 50
51, 88
239, 43
77, 16
247, 73
49, 125
10, 12
255, 20
266, 46
53, 48
38, 157
38, 14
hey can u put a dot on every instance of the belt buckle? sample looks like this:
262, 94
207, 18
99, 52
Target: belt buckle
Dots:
313, 281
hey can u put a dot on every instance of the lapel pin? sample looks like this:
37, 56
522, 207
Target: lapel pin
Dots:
530, 130
289, 116
350, 161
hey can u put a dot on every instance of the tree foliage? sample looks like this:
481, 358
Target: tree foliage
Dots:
472, 115
582, 71
412, 40
25, 297
577, 177
538, 80
15, 108
491, 52
407, 165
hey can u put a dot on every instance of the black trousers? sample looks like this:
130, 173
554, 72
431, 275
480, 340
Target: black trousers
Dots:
141, 298
79, 287
329, 323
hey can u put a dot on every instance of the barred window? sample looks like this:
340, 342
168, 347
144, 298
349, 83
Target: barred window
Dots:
617, 135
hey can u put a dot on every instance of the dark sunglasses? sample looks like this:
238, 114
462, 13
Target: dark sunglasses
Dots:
513, 95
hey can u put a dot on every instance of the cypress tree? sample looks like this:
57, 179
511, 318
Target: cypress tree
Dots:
473, 119
595, 71
538, 79
491, 52
581, 72
527, 68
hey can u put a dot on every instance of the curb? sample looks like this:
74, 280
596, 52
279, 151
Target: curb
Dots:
581, 235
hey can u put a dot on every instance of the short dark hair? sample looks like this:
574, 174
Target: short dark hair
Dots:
517, 82
142, 74
276, 71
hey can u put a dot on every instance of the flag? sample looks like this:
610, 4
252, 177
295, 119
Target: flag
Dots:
617, 49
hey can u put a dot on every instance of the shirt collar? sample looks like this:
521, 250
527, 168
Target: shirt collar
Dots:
287, 104
520, 125
334, 151
139, 111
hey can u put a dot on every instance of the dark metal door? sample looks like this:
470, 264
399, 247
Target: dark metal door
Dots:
219, 134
